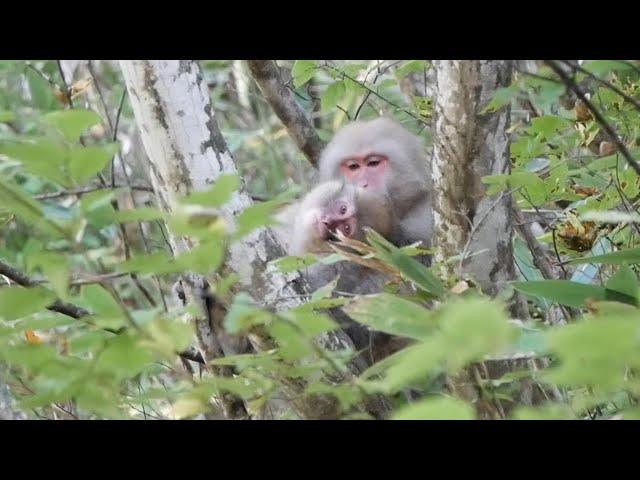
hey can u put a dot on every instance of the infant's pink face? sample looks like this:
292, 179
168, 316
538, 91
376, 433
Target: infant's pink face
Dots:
338, 216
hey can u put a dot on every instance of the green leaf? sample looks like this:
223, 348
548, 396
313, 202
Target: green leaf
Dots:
412, 66
325, 291
548, 125
256, 216
88, 341
610, 216
391, 314
292, 343
41, 91
86, 162
310, 322
551, 412
243, 314
30, 211
140, 214
100, 301
197, 221
603, 67
597, 351
42, 157
96, 207
408, 266
436, 409
471, 329
572, 294
334, 93
621, 257
72, 123
501, 97
44, 321
56, 268
219, 194
123, 356
293, 264
530, 343
624, 281
7, 116
565, 292
16, 301
159, 262
302, 71
205, 258
169, 336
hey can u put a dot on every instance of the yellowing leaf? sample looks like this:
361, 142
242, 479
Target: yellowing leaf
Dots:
31, 337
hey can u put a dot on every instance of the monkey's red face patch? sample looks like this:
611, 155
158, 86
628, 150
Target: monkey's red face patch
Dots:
339, 216
366, 171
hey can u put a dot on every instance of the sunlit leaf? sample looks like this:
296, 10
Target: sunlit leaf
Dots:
72, 123
436, 409
16, 301
391, 314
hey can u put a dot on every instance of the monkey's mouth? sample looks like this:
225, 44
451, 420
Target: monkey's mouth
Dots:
329, 231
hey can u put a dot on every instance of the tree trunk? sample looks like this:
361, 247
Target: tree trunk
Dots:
8, 404
188, 153
468, 145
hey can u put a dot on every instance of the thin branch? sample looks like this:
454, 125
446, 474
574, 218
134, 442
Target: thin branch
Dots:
267, 76
606, 84
67, 92
540, 259
571, 85
366, 87
23, 279
99, 90
114, 137
69, 309
82, 191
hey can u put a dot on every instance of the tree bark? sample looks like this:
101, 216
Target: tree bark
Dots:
301, 130
468, 145
8, 404
187, 153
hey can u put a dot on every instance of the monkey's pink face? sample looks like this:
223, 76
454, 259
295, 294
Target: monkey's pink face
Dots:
338, 216
366, 171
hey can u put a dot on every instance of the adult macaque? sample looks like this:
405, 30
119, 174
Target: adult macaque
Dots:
382, 156
372, 174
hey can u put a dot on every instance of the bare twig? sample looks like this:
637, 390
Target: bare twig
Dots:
606, 84
571, 85
69, 309
82, 191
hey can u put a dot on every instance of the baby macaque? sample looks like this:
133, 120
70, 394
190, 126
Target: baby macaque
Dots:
334, 207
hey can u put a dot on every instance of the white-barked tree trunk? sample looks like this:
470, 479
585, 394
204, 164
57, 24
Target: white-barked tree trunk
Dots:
187, 153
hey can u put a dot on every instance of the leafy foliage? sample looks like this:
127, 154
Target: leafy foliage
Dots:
77, 215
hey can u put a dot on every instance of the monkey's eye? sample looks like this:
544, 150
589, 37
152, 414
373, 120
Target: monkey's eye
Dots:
347, 229
374, 161
343, 209
353, 166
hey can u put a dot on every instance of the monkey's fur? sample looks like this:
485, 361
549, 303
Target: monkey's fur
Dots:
402, 197
407, 182
369, 209
298, 235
